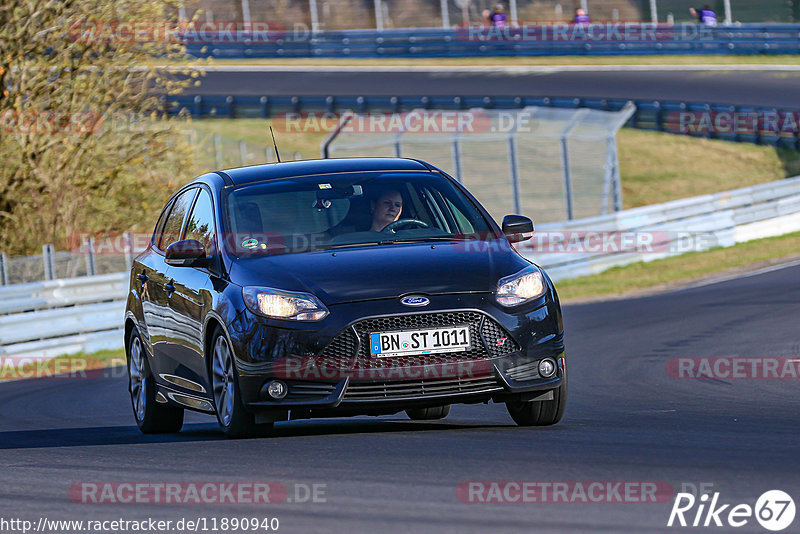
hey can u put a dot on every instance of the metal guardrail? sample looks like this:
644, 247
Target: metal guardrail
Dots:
46, 319
669, 229
613, 38
655, 115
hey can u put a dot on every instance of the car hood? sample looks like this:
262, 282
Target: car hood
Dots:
385, 271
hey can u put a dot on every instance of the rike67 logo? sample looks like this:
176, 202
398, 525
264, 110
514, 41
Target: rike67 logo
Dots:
774, 510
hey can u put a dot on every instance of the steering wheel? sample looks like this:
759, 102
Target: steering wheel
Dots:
392, 227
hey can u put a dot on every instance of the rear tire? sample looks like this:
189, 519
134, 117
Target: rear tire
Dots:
428, 414
539, 413
234, 419
151, 417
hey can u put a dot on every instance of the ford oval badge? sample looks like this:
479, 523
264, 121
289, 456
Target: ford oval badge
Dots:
415, 301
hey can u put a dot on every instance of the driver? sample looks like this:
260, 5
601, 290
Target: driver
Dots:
386, 209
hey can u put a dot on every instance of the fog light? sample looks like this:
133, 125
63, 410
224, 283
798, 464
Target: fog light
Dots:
277, 389
547, 368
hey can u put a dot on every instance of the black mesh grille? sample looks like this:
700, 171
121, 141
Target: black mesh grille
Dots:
484, 332
420, 388
344, 345
498, 342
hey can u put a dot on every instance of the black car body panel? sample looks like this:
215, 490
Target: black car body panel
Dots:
326, 364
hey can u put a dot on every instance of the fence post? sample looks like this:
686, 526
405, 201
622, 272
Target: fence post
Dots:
243, 152
246, 14
567, 176
445, 14
91, 263
3, 269
378, 15
217, 152
457, 159
128, 236
312, 7
49, 264
512, 160
653, 12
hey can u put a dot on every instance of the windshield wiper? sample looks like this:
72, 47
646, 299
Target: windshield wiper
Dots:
429, 238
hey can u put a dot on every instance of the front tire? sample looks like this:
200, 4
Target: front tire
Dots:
234, 419
539, 413
428, 414
151, 417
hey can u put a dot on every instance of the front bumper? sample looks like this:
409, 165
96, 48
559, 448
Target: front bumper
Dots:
389, 396
339, 375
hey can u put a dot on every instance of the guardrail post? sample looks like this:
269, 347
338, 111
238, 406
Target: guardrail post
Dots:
49, 264
512, 163
91, 263
3, 269
243, 152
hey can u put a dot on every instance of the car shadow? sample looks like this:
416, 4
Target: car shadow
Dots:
129, 435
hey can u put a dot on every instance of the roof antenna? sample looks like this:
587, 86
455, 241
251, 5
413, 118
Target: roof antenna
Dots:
277, 155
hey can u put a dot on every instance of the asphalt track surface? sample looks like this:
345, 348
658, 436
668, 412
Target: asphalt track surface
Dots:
761, 87
626, 420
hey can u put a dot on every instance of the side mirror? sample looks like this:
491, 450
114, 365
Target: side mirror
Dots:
186, 253
517, 228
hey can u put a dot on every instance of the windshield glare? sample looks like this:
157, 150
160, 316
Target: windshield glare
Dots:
345, 210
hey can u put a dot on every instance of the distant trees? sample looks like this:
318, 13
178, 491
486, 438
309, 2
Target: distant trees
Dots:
84, 141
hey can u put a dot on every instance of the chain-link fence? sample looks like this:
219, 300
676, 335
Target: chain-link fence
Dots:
213, 151
553, 164
312, 15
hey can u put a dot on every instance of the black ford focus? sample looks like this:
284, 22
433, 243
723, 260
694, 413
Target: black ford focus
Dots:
365, 286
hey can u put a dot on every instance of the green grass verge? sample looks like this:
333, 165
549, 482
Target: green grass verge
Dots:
503, 61
657, 167
673, 272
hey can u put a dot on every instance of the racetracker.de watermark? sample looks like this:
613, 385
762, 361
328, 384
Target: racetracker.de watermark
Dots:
736, 368
601, 32
541, 242
568, 491
412, 368
40, 122
196, 32
741, 122
204, 492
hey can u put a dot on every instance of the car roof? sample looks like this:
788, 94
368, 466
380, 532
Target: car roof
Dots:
289, 169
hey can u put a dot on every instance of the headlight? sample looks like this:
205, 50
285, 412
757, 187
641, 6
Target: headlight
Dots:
523, 286
284, 304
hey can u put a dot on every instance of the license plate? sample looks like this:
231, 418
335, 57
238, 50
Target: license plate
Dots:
423, 341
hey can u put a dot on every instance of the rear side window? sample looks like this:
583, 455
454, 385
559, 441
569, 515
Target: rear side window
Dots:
177, 214
200, 225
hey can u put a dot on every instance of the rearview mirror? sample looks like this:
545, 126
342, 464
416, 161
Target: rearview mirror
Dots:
186, 253
517, 228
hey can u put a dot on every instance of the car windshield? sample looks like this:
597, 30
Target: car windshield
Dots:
346, 210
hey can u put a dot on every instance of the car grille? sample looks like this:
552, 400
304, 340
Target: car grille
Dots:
487, 338
526, 371
420, 388
308, 390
